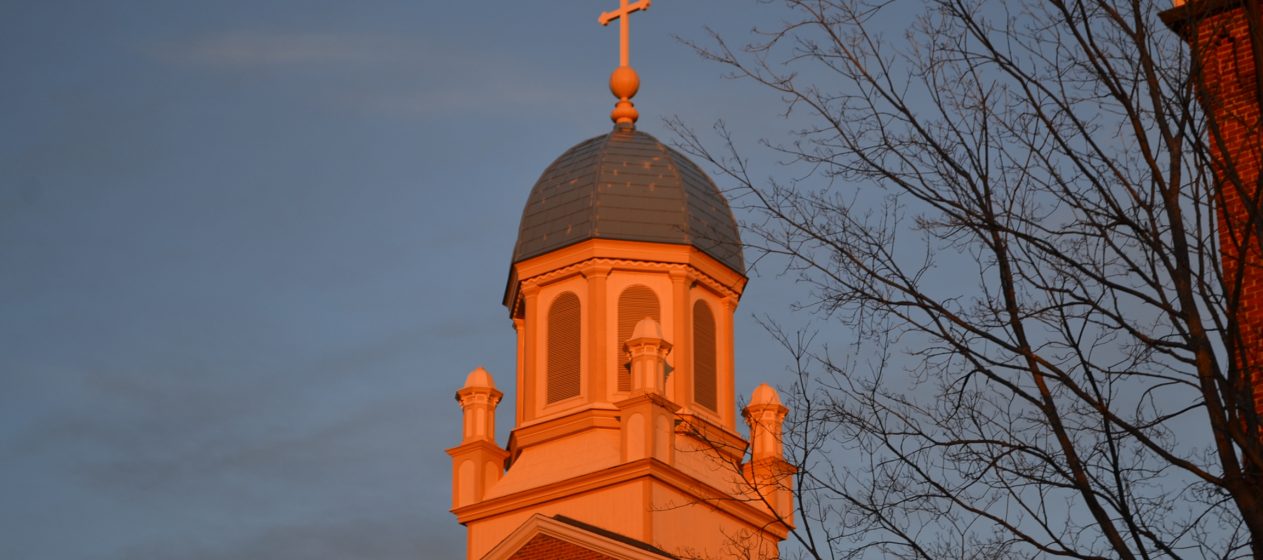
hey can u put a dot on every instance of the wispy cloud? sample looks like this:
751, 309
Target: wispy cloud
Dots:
401, 76
476, 95
255, 48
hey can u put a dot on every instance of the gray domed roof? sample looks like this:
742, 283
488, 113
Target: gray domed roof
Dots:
627, 185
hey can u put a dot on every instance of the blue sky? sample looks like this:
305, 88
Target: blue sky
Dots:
249, 250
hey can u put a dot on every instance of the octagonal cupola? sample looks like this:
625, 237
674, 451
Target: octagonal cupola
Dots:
623, 285
618, 229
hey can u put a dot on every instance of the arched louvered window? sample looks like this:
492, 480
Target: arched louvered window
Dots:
563, 347
634, 304
704, 374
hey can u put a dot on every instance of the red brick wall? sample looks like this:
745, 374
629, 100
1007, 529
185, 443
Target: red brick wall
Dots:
544, 547
1229, 94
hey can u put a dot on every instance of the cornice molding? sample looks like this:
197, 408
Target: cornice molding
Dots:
712, 434
704, 494
547, 429
476, 446
621, 255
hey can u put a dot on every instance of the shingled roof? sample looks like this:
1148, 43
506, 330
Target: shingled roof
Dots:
627, 185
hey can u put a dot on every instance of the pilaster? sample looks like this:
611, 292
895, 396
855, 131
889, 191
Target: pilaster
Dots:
598, 324
682, 361
725, 356
530, 354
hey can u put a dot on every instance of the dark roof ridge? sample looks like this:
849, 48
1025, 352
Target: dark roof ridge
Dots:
684, 199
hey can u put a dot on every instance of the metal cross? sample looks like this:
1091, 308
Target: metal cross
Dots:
623, 14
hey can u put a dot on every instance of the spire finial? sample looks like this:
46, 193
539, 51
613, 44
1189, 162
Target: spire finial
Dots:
624, 83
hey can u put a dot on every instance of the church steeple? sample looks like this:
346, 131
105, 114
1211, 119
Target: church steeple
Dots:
623, 287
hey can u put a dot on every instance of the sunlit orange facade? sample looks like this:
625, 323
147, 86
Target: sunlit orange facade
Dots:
648, 460
624, 283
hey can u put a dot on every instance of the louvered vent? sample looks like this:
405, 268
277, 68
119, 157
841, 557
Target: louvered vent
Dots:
563, 348
704, 390
634, 304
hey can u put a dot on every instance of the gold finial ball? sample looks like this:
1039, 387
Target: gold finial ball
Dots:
624, 83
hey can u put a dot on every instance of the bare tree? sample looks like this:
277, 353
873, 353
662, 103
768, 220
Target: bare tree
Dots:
1013, 209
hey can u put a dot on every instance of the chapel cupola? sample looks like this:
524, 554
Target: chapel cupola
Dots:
623, 286
618, 229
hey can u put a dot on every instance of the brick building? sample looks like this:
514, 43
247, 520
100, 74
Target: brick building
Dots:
1225, 38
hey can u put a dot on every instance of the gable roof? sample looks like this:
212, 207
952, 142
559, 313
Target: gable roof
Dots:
543, 537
